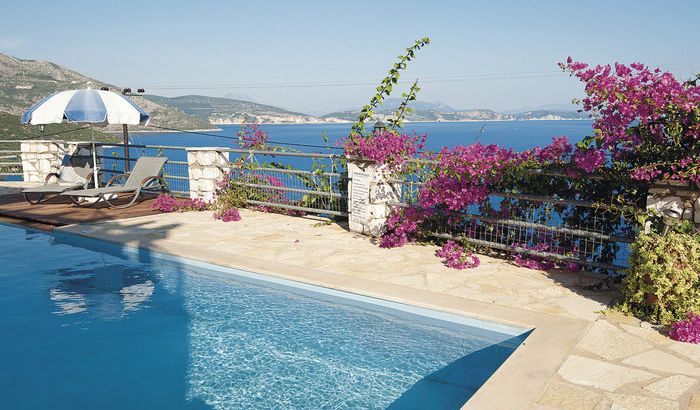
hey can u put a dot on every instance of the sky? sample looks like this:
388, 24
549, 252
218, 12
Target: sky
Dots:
322, 56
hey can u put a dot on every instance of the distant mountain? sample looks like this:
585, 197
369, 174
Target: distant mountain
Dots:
228, 111
551, 115
439, 106
423, 115
23, 83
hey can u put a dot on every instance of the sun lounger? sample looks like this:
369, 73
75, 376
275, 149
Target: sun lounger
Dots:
69, 177
144, 176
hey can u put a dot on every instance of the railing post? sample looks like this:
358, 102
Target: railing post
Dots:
206, 166
370, 192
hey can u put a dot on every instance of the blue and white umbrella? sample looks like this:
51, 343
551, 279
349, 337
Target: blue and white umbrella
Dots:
98, 107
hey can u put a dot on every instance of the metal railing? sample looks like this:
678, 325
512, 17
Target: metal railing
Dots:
10, 160
175, 170
537, 226
290, 181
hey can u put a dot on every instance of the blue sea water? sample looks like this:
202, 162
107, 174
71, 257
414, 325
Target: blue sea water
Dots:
519, 135
88, 325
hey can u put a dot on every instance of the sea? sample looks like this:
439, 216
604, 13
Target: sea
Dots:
323, 138
518, 135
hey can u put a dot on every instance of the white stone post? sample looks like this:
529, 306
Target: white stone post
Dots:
206, 166
40, 158
370, 192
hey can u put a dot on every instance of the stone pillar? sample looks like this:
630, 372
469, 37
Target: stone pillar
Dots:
681, 197
206, 166
40, 158
370, 194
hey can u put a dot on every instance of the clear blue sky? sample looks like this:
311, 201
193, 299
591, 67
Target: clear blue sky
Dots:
491, 54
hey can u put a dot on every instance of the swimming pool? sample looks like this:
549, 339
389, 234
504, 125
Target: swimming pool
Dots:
90, 324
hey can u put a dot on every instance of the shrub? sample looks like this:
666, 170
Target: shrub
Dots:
663, 281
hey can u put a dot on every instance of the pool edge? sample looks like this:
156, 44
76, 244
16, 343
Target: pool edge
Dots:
518, 383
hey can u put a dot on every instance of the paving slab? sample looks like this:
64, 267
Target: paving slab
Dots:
614, 316
689, 350
694, 402
649, 334
571, 397
671, 387
637, 402
600, 374
611, 343
663, 362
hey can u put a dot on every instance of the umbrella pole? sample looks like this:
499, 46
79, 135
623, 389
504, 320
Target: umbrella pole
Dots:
94, 157
125, 131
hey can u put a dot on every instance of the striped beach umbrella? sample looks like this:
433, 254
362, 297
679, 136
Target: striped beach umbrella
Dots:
97, 107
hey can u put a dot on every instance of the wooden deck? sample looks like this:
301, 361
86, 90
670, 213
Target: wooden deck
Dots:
59, 211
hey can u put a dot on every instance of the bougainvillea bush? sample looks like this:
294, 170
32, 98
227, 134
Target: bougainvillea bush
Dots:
687, 330
168, 203
390, 148
646, 127
647, 120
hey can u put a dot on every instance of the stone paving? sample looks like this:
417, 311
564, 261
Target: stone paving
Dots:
597, 361
622, 363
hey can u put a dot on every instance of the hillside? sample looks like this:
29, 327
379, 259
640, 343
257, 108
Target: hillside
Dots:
228, 111
12, 129
551, 115
460, 116
424, 115
25, 82
439, 106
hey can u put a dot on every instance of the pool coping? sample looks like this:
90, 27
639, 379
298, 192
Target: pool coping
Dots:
518, 383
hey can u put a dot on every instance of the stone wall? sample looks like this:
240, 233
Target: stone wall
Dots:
42, 157
206, 166
680, 197
370, 194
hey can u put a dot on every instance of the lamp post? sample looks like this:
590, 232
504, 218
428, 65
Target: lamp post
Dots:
670, 217
125, 131
379, 127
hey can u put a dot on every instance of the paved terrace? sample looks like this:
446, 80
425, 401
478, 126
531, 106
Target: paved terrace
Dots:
576, 358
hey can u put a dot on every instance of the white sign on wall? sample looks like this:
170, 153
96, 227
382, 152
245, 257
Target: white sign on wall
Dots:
359, 199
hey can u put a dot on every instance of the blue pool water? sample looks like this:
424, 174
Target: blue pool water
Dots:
87, 324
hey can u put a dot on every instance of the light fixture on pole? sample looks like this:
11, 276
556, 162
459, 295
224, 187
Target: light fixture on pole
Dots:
379, 127
670, 217
125, 131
